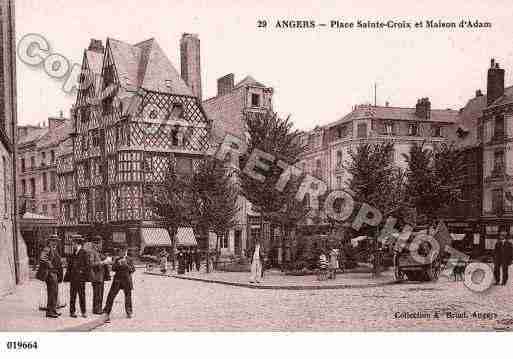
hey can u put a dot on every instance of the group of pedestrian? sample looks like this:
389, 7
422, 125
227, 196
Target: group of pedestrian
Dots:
188, 258
86, 265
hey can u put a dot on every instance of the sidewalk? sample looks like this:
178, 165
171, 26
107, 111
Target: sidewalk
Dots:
278, 280
20, 312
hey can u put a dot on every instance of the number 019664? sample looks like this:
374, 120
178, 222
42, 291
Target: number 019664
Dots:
21, 345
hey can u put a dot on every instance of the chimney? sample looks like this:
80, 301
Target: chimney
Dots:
479, 93
190, 62
96, 45
423, 108
225, 84
495, 82
54, 122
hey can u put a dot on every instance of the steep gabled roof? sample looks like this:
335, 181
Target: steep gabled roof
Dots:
95, 62
145, 65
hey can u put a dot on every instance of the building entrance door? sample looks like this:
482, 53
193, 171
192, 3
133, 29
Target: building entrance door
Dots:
238, 242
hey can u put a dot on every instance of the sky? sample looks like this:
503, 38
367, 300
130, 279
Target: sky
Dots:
318, 74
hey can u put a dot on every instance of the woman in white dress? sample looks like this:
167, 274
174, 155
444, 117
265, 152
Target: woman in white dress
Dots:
256, 264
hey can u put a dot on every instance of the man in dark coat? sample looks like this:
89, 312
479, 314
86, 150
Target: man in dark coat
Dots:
123, 268
50, 271
197, 259
77, 275
99, 268
503, 254
181, 261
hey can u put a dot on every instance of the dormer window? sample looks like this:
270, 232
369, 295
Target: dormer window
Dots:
177, 111
255, 100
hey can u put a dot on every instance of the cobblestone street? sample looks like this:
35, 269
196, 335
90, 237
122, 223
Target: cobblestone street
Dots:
164, 303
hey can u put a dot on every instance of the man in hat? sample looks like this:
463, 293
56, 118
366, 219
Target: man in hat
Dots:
503, 254
123, 268
77, 274
99, 269
50, 271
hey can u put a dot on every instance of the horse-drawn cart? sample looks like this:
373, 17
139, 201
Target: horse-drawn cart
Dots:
422, 261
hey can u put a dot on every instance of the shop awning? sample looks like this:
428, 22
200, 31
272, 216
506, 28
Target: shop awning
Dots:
155, 237
185, 237
457, 236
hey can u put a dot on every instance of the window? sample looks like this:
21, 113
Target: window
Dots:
52, 182
255, 100
339, 158
43, 159
23, 187
87, 173
85, 144
224, 241
362, 130
52, 156
339, 182
391, 156
413, 129
23, 168
32, 162
45, 182
96, 138
33, 187
389, 128
45, 209
318, 168
499, 128
497, 201
6, 187
54, 211
437, 131
177, 111
498, 163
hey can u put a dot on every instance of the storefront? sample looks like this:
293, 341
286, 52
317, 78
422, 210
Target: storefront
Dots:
35, 228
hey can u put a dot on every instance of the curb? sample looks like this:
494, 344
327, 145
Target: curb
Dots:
284, 287
84, 327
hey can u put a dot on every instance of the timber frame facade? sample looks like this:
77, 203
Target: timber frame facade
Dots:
134, 120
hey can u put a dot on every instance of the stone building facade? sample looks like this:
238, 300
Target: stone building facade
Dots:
226, 110
38, 149
496, 134
328, 147
13, 253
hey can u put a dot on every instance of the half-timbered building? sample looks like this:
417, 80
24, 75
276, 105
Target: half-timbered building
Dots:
134, 117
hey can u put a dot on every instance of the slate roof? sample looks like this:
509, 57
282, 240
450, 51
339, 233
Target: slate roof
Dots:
33, 135
59, 134
145, 65
249, 81
95, 63
504, 99
396, 113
